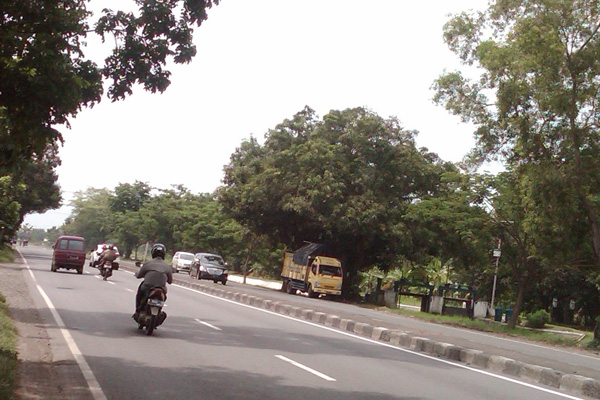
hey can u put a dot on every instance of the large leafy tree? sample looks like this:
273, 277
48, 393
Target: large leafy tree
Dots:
130, 197
125, 205
46, 78
91, 216
345, 181
40, 191
9, 206
535, 102
453, 228
39, 176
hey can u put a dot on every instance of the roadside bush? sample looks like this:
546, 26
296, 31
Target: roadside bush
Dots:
8, 353
537, 319
6, 253
594, 345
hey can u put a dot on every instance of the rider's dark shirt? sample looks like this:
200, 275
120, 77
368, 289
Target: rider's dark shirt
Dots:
156, 273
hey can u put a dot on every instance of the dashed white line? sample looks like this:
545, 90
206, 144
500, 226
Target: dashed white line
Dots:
209, 325
388, 345
307, 369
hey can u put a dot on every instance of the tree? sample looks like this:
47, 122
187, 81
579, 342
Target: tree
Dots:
9, 206
536, 101
128, 232
346, 181
453, 224
39, 176
91, 216
130, 197
46, 78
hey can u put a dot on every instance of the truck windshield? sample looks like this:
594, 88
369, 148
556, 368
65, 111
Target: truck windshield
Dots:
330, 270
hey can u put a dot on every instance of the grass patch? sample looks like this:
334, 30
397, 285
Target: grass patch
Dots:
8, 353
6, 254
538, 335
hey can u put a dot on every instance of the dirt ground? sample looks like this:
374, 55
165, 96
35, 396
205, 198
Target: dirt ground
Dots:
42, 374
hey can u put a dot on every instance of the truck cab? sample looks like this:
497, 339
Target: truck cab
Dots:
325, 276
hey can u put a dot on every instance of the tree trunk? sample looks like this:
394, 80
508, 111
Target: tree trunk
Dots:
250, 249
522, 286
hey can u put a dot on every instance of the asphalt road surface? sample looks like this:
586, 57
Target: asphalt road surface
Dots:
568, 360
214, 348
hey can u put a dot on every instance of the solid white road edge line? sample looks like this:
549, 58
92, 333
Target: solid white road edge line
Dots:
307, 369
391, 346
209, 325
83, 365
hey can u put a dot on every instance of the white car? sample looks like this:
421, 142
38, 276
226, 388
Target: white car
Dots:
95, 254
182, 261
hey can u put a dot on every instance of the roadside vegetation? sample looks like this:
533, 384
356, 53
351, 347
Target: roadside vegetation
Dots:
8, 353
549, 335
6, 253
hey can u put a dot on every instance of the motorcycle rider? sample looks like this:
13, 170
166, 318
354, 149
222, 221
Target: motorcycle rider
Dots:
108, 254
156, 273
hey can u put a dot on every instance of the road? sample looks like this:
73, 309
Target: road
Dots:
567, 360
214, 348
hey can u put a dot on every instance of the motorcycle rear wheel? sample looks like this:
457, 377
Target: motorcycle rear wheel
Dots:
151, 325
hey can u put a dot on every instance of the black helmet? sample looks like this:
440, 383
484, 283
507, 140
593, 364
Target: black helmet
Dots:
158, 250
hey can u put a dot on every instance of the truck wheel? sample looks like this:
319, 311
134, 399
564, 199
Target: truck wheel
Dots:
311, 293
53, 267
290, 289
80, 270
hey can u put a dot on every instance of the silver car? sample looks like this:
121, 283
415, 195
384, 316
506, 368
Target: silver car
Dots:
182, 261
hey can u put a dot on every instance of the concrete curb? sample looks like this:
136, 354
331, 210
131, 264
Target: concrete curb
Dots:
573, 384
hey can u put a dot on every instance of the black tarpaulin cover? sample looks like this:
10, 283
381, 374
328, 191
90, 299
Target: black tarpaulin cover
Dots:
309, 251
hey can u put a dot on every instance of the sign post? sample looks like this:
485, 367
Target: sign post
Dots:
497, 253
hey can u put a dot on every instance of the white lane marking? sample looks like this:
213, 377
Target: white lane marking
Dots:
391, 346
307, 369
83, 365
129, 290
100, 277
209, 325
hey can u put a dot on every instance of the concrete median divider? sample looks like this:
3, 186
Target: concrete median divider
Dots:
573, 384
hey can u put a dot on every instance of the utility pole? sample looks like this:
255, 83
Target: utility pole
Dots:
497, 253
146, 252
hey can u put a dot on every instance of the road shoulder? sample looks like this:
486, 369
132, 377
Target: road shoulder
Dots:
42, 373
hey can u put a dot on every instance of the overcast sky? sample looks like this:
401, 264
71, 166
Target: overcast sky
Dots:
258, 63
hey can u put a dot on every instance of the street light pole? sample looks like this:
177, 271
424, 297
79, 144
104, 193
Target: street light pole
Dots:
497, 255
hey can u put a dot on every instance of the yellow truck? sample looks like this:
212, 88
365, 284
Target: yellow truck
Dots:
309, 270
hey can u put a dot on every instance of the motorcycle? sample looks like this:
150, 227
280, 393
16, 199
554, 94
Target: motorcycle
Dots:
106, 269
151, 314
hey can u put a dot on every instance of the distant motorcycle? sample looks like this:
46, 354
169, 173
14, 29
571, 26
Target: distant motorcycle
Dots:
106, 269
151, 314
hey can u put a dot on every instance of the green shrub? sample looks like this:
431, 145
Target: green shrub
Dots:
594, 345
537, 319
8, 354
6, 253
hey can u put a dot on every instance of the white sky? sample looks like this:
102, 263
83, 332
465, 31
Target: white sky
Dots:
258, 63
